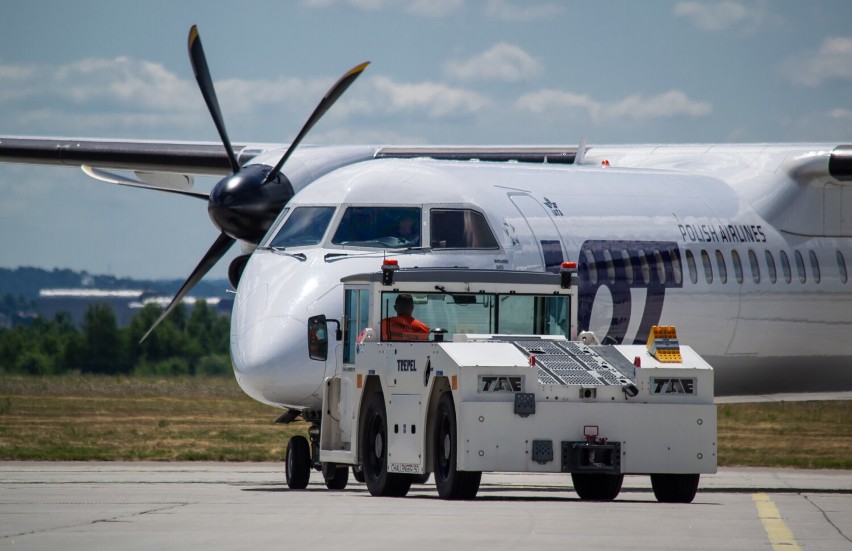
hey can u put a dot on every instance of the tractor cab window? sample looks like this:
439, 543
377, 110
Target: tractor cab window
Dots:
355, 321
460, 229
379, 227
304, 226
419, 316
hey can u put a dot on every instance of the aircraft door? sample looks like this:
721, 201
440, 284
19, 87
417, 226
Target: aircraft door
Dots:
544, 246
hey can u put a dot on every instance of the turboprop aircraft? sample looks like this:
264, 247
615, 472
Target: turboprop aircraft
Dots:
745, 248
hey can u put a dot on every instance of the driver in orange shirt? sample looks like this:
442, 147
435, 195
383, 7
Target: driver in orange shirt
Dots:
403, 327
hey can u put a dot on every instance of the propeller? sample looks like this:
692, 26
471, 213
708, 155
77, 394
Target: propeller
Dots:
244, 204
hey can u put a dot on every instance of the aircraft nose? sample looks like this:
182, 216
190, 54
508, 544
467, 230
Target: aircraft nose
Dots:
271, 362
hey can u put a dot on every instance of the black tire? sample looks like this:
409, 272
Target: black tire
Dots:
374, 452
675, 488
597, 486
358, 473
451, 483
336, 476
297, 463
420, 478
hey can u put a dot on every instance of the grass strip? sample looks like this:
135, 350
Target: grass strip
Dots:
211, 419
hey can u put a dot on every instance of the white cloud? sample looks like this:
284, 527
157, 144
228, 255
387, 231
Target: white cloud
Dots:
833, 61
435, 8
508, 11
503, 61
720, 16
635, 107
841, 114
124, 94
435, 99
18, 82
140, 84
425, 8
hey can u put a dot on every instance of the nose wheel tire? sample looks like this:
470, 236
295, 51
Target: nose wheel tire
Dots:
675, 488
297, 463
451, 483
374, 452
597, 486
336, 476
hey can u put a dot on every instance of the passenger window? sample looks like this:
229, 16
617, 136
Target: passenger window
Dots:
841, 266
304, 226
708, 267
814, 266
645, 267
785, 267
628, 265
610, 266
460, 229
738, 266
723, 268
693, 272
591, 266
661, 266
800, 266
677, 270
770, 267
379, 227
755, 266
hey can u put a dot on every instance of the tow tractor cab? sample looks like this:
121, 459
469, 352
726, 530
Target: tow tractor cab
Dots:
495, 384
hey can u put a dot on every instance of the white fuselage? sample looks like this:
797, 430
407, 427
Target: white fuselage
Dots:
705, 238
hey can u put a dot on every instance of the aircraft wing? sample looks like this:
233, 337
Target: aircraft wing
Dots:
210, 158
197, 158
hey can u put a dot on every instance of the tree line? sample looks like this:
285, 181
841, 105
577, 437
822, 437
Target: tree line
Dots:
190, 341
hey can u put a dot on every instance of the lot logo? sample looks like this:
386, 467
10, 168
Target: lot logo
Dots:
621, 267
660, 385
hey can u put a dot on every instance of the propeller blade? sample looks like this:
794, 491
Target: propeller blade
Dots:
205, 83
324, 105
216, 252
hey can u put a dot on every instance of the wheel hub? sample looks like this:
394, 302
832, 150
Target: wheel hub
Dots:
379, 445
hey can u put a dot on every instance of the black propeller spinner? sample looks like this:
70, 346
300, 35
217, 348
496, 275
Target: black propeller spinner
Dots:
244, 204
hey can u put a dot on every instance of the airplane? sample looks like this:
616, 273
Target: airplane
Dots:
745, 248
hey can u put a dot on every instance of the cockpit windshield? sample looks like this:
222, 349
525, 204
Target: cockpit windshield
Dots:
304, 226
379, 227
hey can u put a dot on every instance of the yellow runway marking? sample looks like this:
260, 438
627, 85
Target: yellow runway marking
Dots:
780, 536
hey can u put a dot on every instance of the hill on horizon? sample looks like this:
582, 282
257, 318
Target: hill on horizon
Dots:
26, 282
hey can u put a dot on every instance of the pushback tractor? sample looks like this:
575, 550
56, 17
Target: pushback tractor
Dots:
493, 376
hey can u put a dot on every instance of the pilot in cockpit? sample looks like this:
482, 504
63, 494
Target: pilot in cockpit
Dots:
408, 232
403, 326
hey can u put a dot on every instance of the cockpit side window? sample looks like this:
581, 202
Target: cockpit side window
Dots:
379, 227
460, 229
304, 226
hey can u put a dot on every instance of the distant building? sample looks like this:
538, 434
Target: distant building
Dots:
125, 303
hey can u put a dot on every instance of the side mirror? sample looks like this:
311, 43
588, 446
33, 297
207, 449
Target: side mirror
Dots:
318, 338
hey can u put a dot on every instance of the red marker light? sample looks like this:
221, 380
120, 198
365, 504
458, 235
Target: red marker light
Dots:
637, 361
569, 265
389, 266
532, 360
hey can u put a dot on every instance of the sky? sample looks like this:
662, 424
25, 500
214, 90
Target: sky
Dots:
443, 72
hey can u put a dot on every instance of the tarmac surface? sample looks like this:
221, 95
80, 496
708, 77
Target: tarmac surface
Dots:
129, 506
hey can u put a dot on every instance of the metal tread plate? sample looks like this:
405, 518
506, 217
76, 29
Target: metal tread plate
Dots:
573, 363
